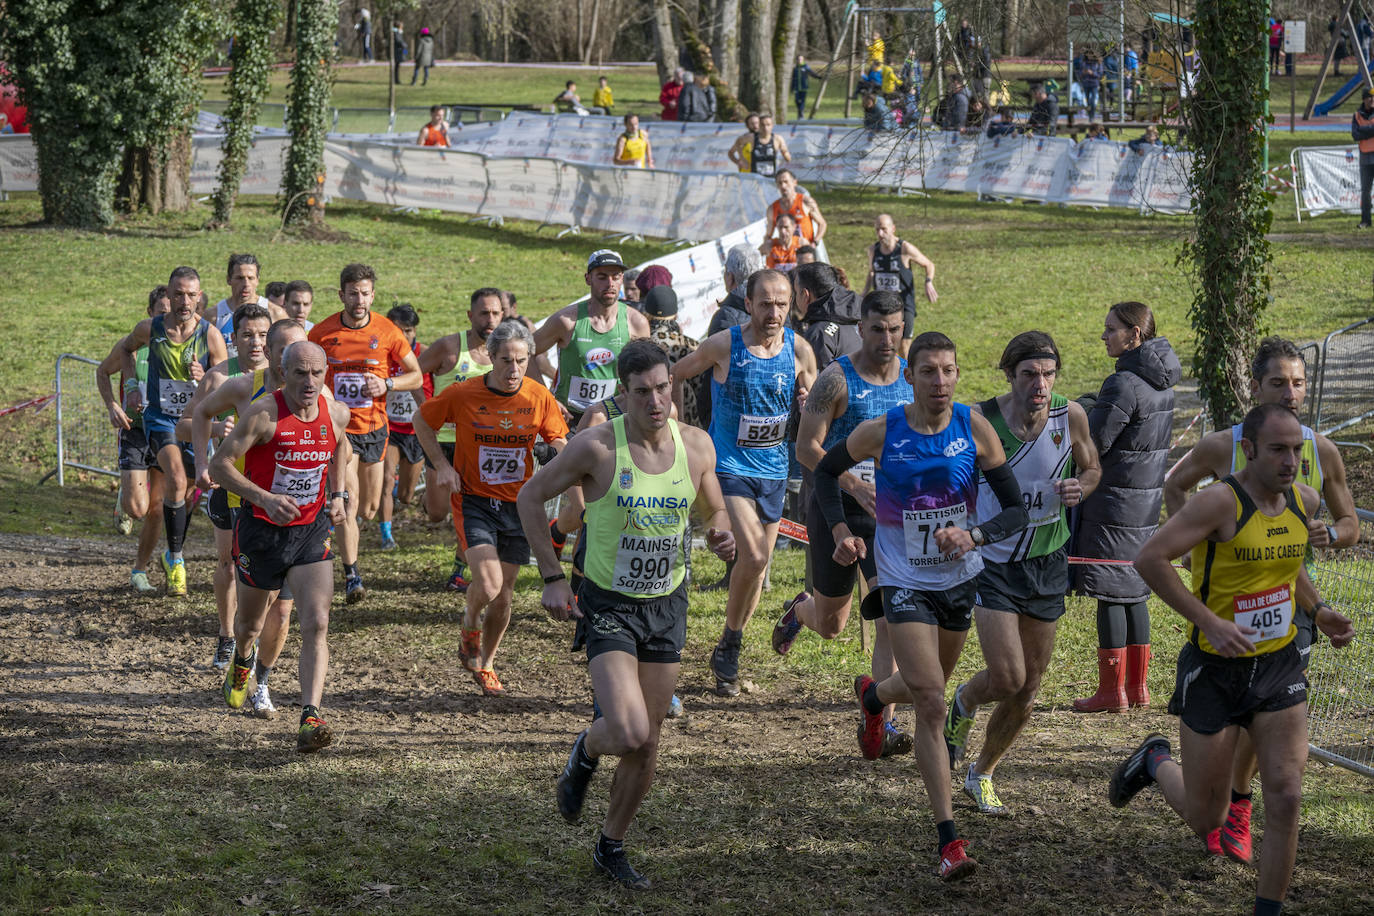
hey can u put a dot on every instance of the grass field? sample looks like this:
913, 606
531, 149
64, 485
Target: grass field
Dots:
127, 787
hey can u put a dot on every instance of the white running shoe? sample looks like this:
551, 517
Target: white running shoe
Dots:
262, 703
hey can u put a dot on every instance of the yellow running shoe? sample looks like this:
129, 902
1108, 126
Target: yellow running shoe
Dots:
236, 680
176, 575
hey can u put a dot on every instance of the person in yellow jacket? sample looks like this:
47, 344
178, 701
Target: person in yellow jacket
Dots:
602, 98
632, 146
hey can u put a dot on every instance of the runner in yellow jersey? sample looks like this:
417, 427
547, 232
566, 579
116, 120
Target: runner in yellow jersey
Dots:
1240, 668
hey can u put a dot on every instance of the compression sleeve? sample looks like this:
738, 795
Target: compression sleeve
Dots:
827, 482
1013, 516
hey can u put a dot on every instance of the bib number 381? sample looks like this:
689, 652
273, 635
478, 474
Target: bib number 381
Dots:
175, 395
1269, 612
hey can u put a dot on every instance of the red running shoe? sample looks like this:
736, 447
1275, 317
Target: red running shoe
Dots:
954, 862
1234, 836
873, 732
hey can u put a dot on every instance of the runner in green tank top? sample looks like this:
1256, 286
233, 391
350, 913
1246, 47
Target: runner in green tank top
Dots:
641, 474
1021, 589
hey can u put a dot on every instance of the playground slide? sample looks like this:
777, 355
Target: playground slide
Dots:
1343, 93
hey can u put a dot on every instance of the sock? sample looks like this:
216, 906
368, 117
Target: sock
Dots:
263, 672
1154, 757
947, 833
731, 639
174, 518
240, 661
350, 569
607, 846
1240, 796
308, 711
1266, 907
386, 530
583, 758
872, 705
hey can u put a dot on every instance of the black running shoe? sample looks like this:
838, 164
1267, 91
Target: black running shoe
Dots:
572, 782
725, 667
1133, 774
615, 866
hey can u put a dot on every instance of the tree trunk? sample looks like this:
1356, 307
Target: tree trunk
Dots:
665, 47
253, 22
1011, 28
591, 33
77, 190
302, 189
785, 52
153, 180
758, 83
290, 38
725, 40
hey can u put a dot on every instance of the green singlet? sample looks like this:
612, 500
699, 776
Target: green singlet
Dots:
1038, 466
466, 368
586, 366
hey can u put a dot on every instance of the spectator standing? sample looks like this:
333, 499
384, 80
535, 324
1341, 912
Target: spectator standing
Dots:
632, 146
1044, 116
399, 50
435, 133
1362, 130
966, 42
1130, 421
1131, 68
603, 101
424, 56
981, 67
1089, 75
1111, 80
1364, 34
954, 111
363, 26
668, 96
697, 102
801, 74
1275, 45
877, 116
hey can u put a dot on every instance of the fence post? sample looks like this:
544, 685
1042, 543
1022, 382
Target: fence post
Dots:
61, 458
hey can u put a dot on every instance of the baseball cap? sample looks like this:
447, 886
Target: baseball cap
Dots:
604, 257
661, 302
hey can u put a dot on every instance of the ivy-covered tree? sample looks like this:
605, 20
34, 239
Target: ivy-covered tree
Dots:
101, 77
250, 66
308, 111
1229, 251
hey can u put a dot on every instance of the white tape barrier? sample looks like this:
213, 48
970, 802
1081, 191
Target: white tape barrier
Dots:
1328, 179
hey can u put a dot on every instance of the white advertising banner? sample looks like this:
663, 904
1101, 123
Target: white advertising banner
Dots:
1166, 181
1329, 179
18, 163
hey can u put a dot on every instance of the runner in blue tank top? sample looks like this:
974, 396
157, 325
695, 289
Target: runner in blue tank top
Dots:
759, 370
926, 455
854, 388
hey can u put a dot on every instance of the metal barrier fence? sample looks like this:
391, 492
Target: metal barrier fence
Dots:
85, 439
374, 120
1340, 710
1345, 395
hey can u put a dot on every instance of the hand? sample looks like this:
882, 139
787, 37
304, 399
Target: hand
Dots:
849, 549
197, 370
118, 418
559, 602
222, 428
864, 493
133, 400
931, 294
281, 510
802, 392
953, 541
1228, 639
1070, 491
1337, 627
446, 477
338, 511
376, 386
1317, 535
722, 543
203, 479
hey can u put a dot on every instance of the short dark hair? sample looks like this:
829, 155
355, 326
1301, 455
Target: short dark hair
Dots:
236, 259
639, 356
403, 315
569, 84
1258, 416
279, 327
784, 215
300, 286
183, 272
355, 273
930, 340
275, 289
881, 302
807, 249
759, 275
483, 293
250, 311
434, 108
1135, 315
158, 292
1028, 345
1270, 349
781, 172
817, 278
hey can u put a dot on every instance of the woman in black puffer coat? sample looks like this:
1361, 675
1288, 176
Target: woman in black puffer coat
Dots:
1131, 423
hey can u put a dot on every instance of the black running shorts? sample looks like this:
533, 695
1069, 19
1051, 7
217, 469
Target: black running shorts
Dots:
217, 507
829, 578
158, 439
263, 552
369, 447
1034, 587
653, 630
950, 609
495, 522
408, 446
446, 448
134, 453
1212, 692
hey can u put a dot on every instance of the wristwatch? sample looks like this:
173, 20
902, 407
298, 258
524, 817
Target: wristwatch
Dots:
390, 384
339, 494
976, 534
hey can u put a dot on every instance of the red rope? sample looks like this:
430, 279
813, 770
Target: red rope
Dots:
36, 403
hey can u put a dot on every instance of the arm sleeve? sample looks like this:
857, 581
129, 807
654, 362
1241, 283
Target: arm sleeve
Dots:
1013, 517
827, 482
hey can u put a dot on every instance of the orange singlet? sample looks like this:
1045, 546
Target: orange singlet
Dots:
433, 136
355, 353
798, 210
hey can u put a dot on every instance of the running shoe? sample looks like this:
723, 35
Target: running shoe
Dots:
788, 626
353, 589
558, 538
175, 574
979, 788
957, 727
236, 681
615, 866
458, 578
487, 680
138, 579
470, 650
895, 741
1234, 836
725, 667
224, 652
389, 543
261, 701
872, 731
572, 782
314, 734
675, 708
1133, 774
955, 863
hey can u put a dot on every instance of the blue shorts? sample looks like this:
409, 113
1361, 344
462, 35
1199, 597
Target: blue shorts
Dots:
766, 494
160, 437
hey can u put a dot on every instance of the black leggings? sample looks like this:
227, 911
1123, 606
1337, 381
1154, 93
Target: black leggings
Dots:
1119, 625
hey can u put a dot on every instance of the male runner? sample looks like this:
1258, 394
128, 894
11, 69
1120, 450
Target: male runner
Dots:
363, 350
292, 449
497, 416
889, 268
181, 346
811, 225
852, 389
1240, 667
235, 395
641, 473
404, 457
758, 371
1021, 589
243, 282
740, 151
1278, 375
767, 148
463, 353
140, 480
250, 324
300, 298
926, 455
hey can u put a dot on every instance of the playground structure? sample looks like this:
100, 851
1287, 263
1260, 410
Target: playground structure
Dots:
856, 24
1343, 93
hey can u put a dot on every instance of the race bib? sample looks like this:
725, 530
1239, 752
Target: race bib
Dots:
584, 392
350, 389
301, 484
175, 395
1270, 612
645, 565
400, 406
501, 465
890, 283
919, 527
765, 168
760, 432
1042, 503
